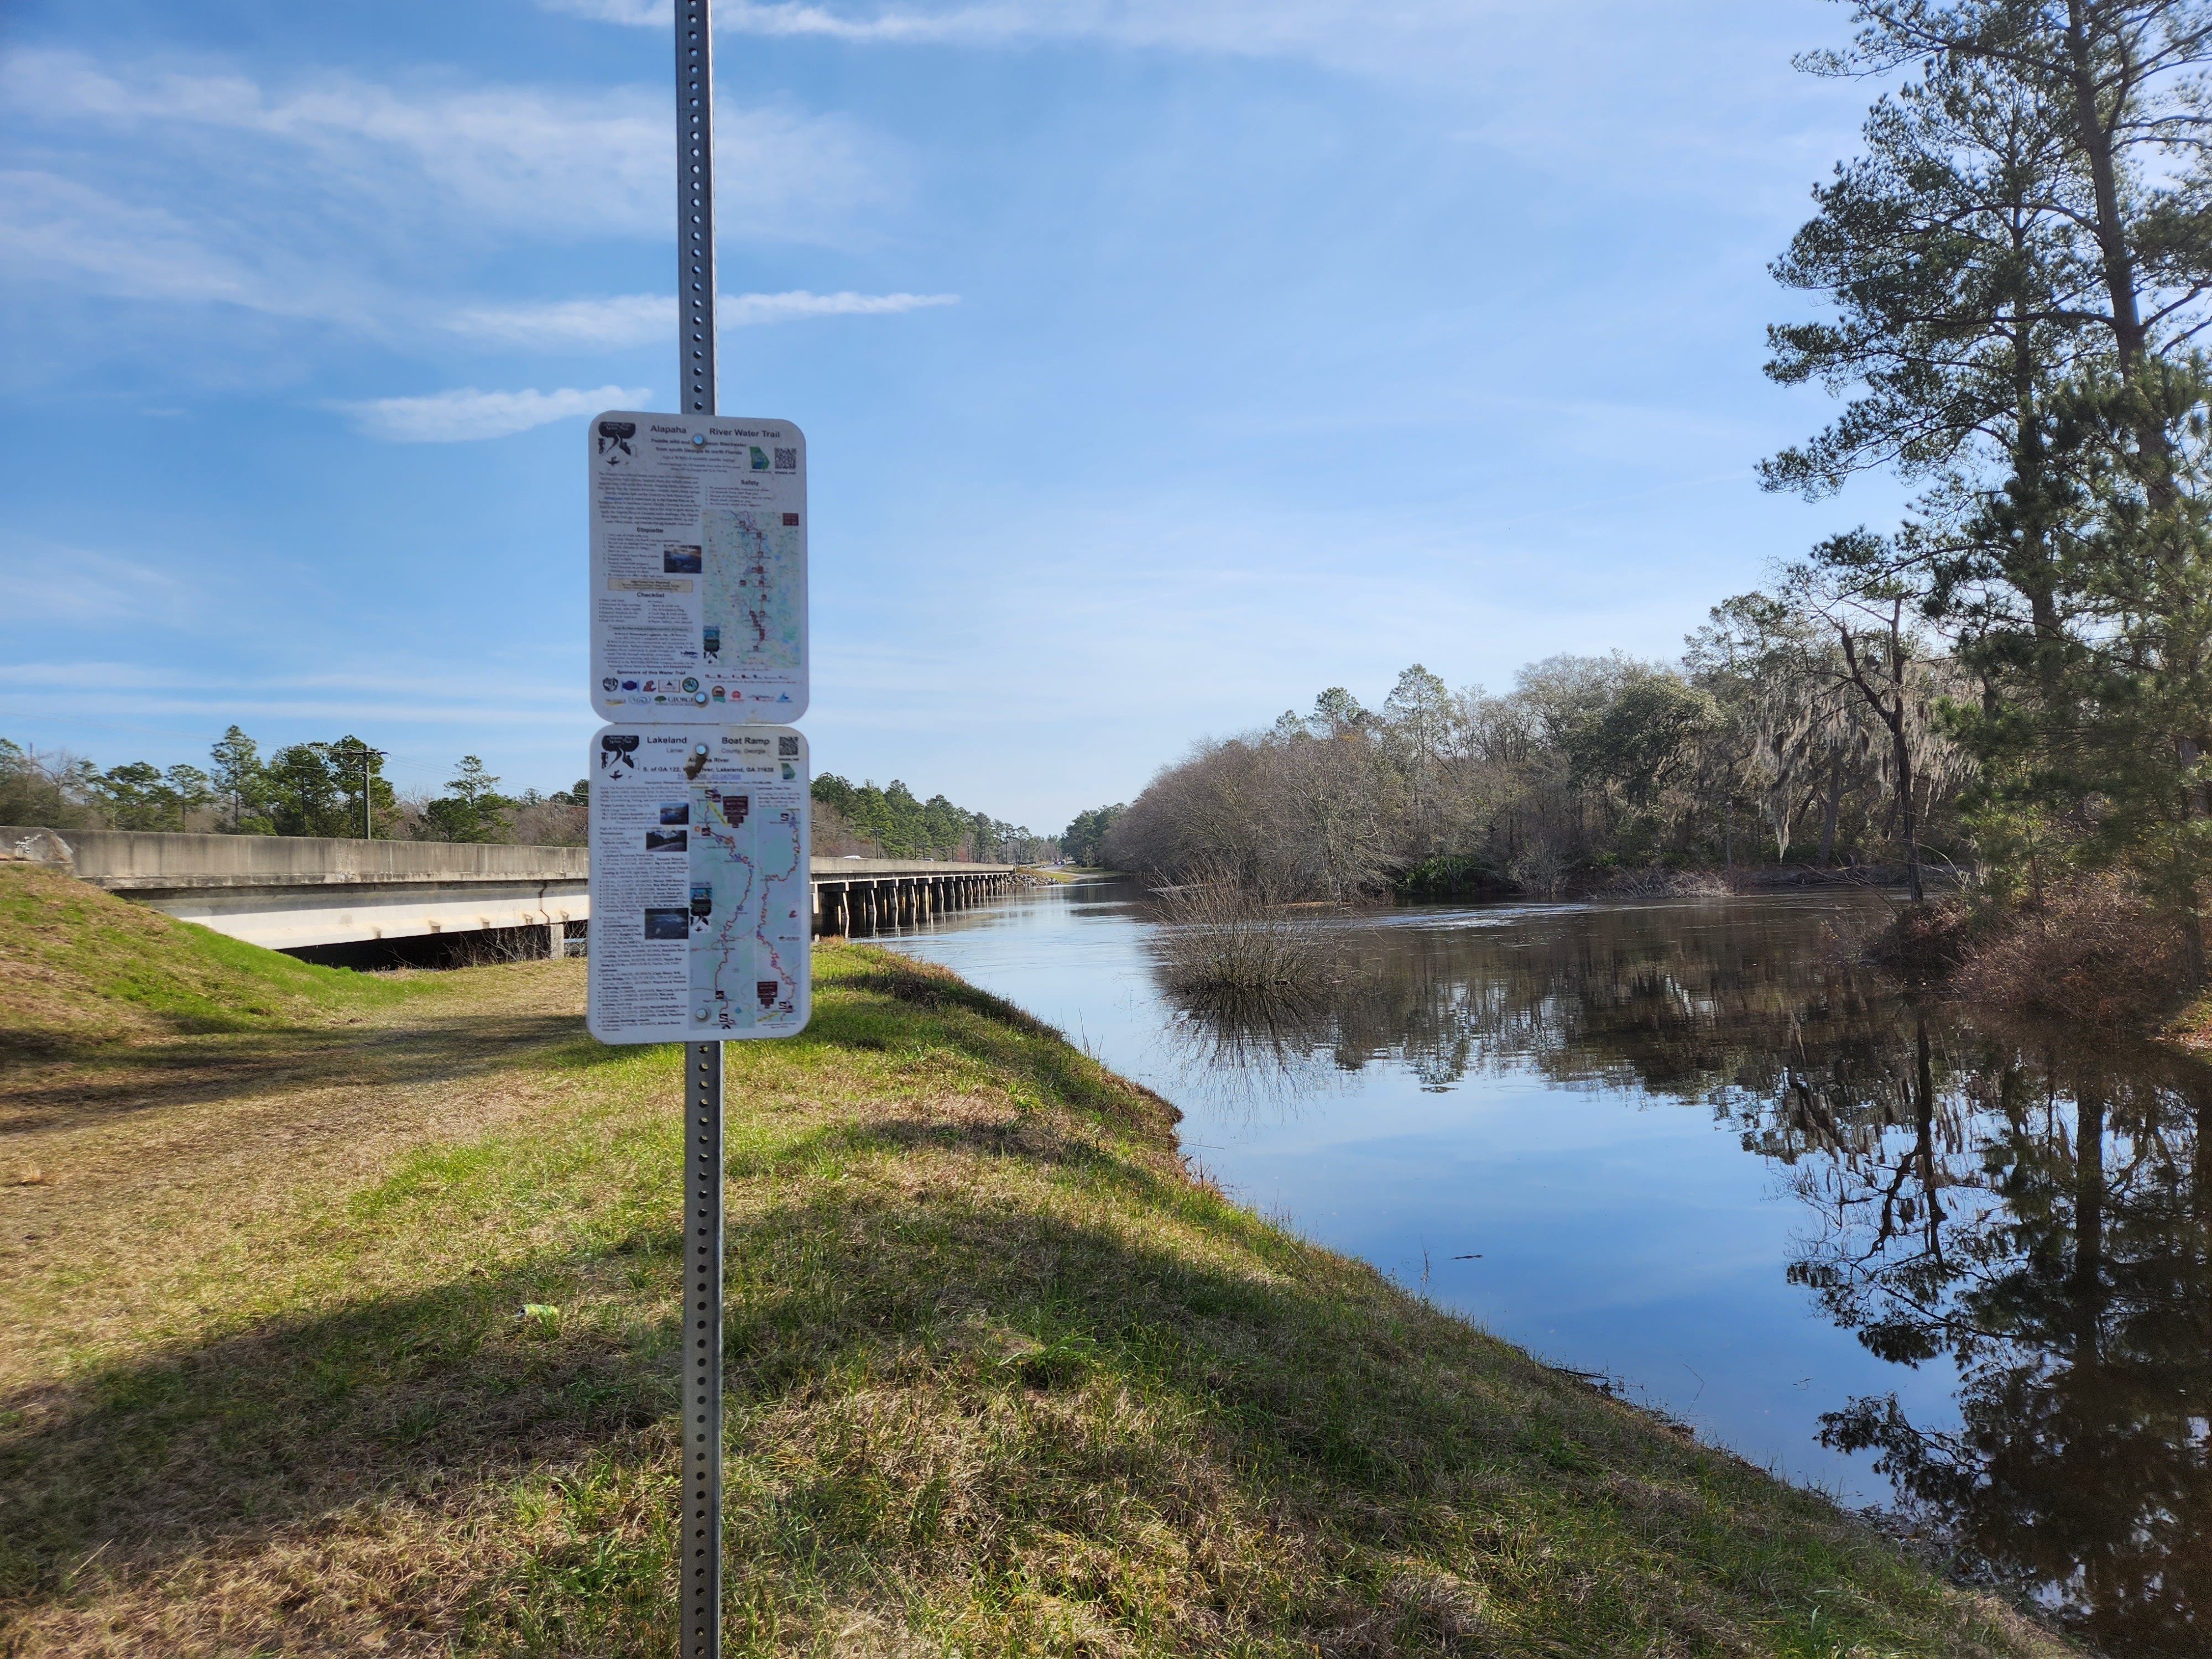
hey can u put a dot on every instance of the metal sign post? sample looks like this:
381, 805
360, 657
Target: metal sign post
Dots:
700, 1613
701, 921
700, 1531
695, 206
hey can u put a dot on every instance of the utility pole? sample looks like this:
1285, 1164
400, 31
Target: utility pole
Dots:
699, 1537
366, 757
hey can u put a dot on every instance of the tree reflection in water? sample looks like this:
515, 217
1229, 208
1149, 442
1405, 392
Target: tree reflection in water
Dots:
1251, 1055
2041, 1217
2032, 1207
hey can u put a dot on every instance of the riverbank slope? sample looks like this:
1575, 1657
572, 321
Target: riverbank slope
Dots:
1004, 1377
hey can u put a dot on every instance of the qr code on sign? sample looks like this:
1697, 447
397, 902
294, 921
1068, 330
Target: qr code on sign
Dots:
787, 460
786, 748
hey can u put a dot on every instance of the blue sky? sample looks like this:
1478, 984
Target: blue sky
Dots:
1161, 363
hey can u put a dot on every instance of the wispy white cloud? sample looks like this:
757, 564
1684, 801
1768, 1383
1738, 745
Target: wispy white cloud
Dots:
126, 711
466, 414
53, 227
51, 224
638, 13
1629, 99
481, 157
619, 320
1406, 37
744, 310
630, 319
344, 201
48, 581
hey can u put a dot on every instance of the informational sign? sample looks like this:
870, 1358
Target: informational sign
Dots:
698, 568
702, 917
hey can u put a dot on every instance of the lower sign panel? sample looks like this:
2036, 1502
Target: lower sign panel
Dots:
702, 917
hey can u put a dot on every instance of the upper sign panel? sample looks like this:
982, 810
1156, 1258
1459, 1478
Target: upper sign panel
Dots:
698, 568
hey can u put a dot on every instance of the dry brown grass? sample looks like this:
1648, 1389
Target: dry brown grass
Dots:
1004, 1379
1220, 937
2092, 953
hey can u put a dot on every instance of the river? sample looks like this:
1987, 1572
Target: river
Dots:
1958, 1272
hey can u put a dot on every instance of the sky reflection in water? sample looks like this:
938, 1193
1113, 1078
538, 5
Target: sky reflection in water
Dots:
1683, 1145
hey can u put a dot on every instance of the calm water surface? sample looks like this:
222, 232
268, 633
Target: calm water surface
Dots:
1957, 1272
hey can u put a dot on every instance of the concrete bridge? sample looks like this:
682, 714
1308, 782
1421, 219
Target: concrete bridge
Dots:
856, 897
300, 893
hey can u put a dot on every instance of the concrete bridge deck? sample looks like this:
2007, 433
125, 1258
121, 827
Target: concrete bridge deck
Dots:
291, 892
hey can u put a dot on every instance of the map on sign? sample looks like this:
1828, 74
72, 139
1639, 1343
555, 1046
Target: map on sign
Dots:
754, 601
748, 873
698, 568
702, 910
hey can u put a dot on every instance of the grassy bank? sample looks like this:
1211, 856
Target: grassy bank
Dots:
1004, 1378
80, 970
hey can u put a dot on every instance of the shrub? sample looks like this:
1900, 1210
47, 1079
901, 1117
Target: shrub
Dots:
1448, 875
1220, 936
2093, 950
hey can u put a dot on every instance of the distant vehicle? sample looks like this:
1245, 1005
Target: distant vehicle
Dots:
856, 856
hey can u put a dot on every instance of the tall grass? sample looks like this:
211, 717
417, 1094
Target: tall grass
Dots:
1220, 936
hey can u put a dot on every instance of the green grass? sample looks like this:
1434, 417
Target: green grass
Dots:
1004, 1379
78, 965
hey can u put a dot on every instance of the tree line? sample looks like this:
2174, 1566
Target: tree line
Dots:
2011, 279
892, 822
1757, 746
334, 789
1083, 841
339, 789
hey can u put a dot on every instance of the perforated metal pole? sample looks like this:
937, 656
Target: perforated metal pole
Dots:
702, 1529
695, 205
700, 1532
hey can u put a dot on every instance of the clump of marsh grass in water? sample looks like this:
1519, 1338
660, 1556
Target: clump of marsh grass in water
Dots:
1657, 881
1221, 937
